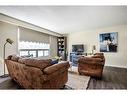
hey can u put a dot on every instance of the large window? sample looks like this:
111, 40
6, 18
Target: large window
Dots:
33, 49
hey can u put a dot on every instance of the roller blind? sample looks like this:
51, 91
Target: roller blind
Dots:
32, 36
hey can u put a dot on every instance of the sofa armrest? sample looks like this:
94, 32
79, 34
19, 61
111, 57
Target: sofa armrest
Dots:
56, 67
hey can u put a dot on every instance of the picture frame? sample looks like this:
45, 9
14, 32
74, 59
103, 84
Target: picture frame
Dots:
109, 42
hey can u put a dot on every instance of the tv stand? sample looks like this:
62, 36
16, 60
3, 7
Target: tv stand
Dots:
74, 56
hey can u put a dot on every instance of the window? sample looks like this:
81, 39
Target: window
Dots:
40, 53
34, 49
23, 53
32, 53
46, 53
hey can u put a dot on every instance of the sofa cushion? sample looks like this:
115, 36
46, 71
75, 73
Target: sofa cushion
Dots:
15, 58
54, 61
9, 57
22, 60
55, 67
39, 63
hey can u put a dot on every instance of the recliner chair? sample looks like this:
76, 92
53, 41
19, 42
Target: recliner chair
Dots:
92, 66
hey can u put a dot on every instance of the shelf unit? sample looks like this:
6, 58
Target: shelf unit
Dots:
62, 47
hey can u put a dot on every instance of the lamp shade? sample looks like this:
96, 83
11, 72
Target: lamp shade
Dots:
9, 41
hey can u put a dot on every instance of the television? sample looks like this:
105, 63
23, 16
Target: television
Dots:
78, 48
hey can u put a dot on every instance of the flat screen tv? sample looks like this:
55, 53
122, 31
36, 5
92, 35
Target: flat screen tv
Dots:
78, 48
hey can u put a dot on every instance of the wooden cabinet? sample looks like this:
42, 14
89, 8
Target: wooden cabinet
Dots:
62, 47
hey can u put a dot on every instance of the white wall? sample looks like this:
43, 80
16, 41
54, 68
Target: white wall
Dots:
8, 31
90, 38
53, 46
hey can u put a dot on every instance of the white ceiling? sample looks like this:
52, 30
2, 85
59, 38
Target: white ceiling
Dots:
66, 19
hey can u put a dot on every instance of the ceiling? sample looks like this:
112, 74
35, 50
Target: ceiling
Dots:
68, 19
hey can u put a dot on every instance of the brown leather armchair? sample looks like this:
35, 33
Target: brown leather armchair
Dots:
92, 66
32, 73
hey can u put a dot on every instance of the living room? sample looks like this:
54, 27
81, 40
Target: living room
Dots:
40, 37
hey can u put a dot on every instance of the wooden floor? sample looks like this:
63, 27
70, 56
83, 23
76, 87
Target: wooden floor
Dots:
9, 84
113, 78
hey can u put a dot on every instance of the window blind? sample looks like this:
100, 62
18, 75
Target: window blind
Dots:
32, 36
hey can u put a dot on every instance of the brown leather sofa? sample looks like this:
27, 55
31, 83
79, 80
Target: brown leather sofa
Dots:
92, 66
37, 73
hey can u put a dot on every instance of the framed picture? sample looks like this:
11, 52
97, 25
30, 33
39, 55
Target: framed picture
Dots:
109, 42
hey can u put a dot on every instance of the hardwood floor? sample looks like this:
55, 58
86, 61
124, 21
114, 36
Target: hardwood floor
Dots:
9, 84
113, 78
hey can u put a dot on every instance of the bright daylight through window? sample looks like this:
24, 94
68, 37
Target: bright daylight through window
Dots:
34, 49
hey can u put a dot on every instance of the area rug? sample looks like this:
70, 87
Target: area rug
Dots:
77, 82
73, 69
